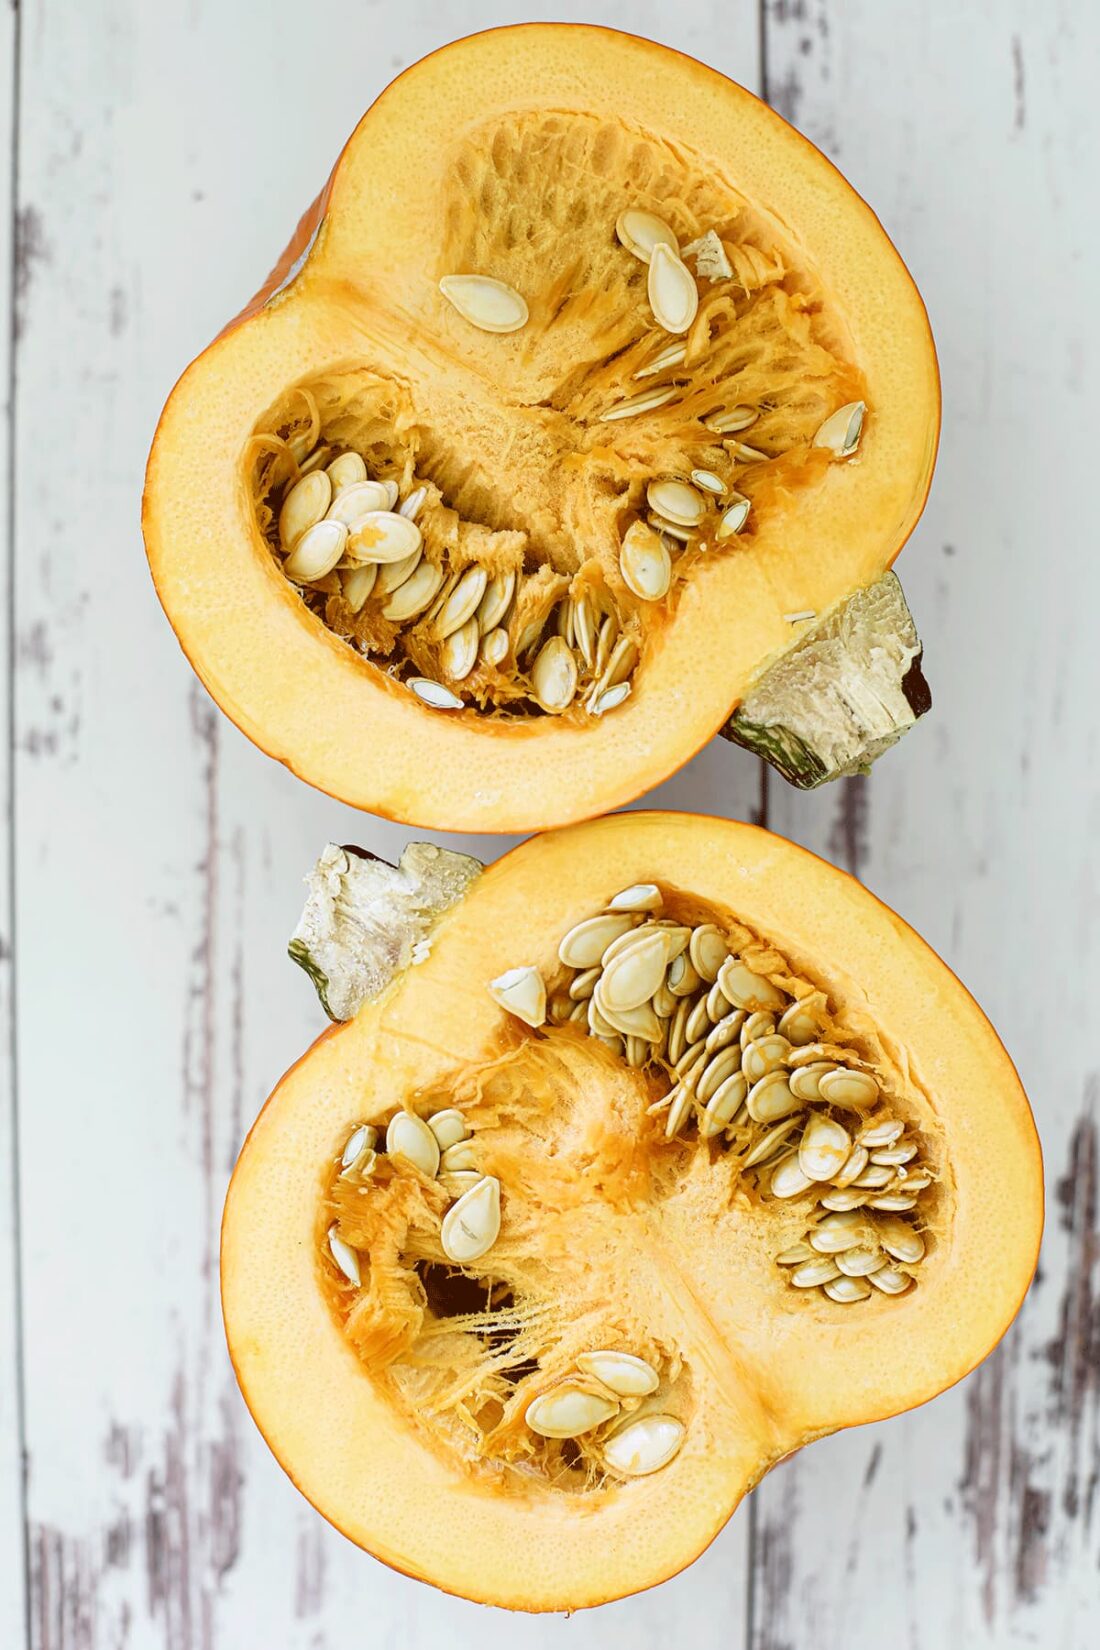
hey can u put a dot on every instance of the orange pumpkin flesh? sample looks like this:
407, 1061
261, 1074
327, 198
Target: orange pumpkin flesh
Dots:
524, 182
392, 1418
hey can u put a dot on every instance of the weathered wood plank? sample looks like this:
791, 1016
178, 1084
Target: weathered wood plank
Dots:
166, 152
974, 1521
12, 1559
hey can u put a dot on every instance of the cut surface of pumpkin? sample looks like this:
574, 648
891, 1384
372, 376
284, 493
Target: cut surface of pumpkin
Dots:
646, 1156
584, 405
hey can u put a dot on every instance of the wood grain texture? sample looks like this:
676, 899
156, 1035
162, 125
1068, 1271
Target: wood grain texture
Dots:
974, 1520
12, 1556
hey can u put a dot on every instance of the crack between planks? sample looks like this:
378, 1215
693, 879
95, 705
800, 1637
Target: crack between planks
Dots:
20, 1394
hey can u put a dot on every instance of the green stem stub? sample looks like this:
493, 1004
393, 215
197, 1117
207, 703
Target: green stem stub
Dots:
845, 693
365, 921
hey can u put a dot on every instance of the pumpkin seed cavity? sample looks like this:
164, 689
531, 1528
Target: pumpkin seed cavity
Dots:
692, 326
428, 1227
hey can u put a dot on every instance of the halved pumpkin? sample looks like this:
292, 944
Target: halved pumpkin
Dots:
586, 392
529, 1276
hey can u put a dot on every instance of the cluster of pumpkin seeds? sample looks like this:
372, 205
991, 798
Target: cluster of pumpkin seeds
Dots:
745, 1063
341, 529
602, 1400
439, 1148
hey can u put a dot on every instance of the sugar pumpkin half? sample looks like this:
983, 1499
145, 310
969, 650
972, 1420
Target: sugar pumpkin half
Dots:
582, 419
643, 1157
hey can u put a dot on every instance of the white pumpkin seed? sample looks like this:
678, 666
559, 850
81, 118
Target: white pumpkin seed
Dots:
671, 356
632, 977
449, 1127
749, 990
382, 536
798, 1025
408, 1136
847, 1290
458, 655
823, 1148
344, 1256
854, 1165
860, 1261
413, 505
643, 1446
733, 519
417, 593
357, 585
496, 601
645, 563
841, 431
890, 1281
842, 1087
676, 501
494, 647
788, 1179
490, 305
345, 471
462, 603
764, 1055
837, 1232
568, 1411
554, 677
771, 1098
522, 991
883, 1133
359, 1140
585, 943
316, 552
673, 294
472, 1225
795, 1255
392, 574
708, 481
460, 1155
805, 1079
361, 499
813, 1273
899, 1239
737, 418
434, 693
622, 1373
645, 401
640, 897
641, 231
304, 505
610, 699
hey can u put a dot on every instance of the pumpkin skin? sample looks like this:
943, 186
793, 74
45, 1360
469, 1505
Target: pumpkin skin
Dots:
356, 292
767, 1374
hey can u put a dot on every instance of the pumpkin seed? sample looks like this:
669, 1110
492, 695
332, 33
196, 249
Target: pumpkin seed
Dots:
415, 594
360, 1139
824, 1148
770, 1142
345, 471
860, 1261
352, 504
632, 977
304, 506
622, 1373
394, 573
673, 294
894, 1202
805, 1080
755, 1026
708, 481
434, 693
671, 356
709, 952
568, 1411
764, 1055
472, 1225
854, 1165
716, 1070
610, 699
841, 431
669, 530
676, 501
847, 1289
645, 563
413, 505
737, 418
632, 1022
899, 1239
462, 603
836, 1232
723, 1105
522, 991
641, 231
640, 897
461, 1154
798, 1024
678, 1112
554, 677
890, 1281
494, 647
873, 1178
358, 584
748, 990
585, 943
645, 401
316, 552
643, 1446
382, 536
344, 1256
584, 984
842, 1087
449, 1127
747, 454
813, 1273
795, 1255
788, 1179
892, 1156
458, 655
496, 601
698, 1021
490, 305
844, 1200
771, 1098
733, 518
883, 1133
408, 1136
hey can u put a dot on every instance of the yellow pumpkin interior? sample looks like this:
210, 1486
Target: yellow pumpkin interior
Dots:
619, 1229
511, 444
